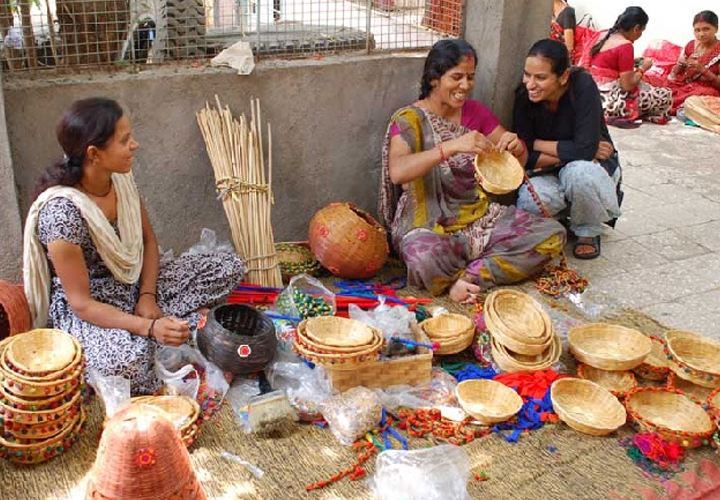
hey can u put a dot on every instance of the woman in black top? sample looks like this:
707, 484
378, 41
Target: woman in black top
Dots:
563, 24
572, 161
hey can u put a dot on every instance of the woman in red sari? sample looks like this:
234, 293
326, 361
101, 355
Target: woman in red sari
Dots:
697, 71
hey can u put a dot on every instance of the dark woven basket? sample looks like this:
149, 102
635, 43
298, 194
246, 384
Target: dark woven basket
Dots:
237, 338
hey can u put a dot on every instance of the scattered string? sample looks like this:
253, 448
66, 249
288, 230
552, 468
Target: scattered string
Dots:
654, 455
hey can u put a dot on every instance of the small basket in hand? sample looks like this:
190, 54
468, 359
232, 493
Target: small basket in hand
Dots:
239, 339
498, 172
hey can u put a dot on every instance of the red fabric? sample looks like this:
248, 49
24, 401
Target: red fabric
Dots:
620, 58
475, 116
530, 384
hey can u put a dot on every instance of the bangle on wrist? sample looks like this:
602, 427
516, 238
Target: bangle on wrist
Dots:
641, 71
151, 330
442, 153
147, 293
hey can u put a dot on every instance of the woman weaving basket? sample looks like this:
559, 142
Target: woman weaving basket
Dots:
442, 224
91, 260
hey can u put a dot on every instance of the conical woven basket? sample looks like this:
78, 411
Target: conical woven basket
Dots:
498, 172
671, 414
14, 310
141, 457
655, 365
488, 401
586, 406
609, 347
694, 357
619, 383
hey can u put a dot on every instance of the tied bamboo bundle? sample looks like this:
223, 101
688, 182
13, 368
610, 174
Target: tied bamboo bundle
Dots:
235, 148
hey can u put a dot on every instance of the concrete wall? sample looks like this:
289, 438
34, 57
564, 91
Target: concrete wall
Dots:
668, 20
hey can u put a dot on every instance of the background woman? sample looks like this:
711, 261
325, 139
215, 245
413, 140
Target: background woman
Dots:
697, 71
611, 61
572, 160
442, 224
91, 260
563, 24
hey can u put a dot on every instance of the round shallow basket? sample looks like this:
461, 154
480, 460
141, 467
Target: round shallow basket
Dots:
488, 401
609, 347
619, 383
688, 388
237, 338
8, 370
12, 414
587, 407
335, 331
348, 241
37, 404
498, 172
32, 389
295, 259
521, 317
500, 333
42, 352
301, 338
676, 417
353, 361
447, 327
14, 310
655, 365
456, 345
182, 411
694, 357
510, 361
713, 401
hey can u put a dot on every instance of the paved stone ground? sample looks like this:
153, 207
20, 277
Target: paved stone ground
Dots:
663, 257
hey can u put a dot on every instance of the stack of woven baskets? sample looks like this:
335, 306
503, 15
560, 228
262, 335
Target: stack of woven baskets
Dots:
522, 334
452, 332
607, 353
41, 392
338, 343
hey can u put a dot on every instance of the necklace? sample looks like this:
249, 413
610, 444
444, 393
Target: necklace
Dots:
95, 194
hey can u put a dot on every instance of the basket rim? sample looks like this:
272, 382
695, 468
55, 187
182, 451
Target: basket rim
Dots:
11, 363
336, 331
302, 338
513, 344
586, 372
505, 361
511, 397
629, 360
528, 302
465, 324
608, 427
498, 160
670, 337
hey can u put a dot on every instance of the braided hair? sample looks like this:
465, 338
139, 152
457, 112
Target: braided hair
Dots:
631, 17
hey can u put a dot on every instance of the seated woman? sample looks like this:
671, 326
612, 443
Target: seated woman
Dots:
572, 161
563, 25
441, 222
91, 260
697, 71
611, 62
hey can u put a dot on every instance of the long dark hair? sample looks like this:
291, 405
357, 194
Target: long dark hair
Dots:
87, 122
633, 16
554, 51
443, 56
706, 16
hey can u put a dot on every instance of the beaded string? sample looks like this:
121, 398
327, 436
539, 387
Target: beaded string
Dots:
555, 280
420, 423
354, 472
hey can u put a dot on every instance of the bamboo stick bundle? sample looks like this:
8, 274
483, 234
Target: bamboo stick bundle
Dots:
235, 149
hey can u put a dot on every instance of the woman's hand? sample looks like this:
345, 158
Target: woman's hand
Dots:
511, 143
147, 307
646, 64
604, 151
472, 142
170, 331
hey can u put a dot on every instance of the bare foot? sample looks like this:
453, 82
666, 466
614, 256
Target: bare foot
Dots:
463, 291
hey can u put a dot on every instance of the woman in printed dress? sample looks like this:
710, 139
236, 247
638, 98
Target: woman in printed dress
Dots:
91, 259
442, 224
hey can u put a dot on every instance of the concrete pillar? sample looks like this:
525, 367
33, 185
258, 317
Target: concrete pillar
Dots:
10, 221
502, 32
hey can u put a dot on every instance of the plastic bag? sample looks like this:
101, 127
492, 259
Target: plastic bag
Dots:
114, 390
305, 297
209, 244
352, 414
184, 370
286, 333
392, 321
306, 388
437, 473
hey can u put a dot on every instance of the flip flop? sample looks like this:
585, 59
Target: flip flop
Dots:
595, 243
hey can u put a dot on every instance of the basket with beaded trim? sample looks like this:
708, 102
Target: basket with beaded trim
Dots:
694, 357
586, 406
619, 383
296, 258
655, 365
42, 354
608, 347
676, 417
42, 430
713, 401
687, 387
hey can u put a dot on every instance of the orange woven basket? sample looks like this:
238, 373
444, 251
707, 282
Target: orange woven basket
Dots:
14, 310
141, 457
347, 241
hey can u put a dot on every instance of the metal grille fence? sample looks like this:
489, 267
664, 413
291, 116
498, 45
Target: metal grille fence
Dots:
38, 34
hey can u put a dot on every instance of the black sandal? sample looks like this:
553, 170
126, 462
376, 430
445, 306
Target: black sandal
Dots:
594, 243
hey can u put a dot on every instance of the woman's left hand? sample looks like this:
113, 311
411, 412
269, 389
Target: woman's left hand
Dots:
511, 143
147, 307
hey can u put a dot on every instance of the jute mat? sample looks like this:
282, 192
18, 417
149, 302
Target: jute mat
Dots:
554, 462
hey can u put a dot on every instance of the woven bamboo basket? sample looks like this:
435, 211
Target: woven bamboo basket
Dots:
43, 354
39, 431
688, 388
498, 172
183, 412
294, 259
334, 331
338, 361
454, 332
619, 383
694, 358
409, 369
38, 416
32, 451
24, 388
376, 342
488, 401
713, 401
141, 457
655, 365
609, 347
587, 407
348, 241
237, 338
37, 404
521, 317
676, 417
14, 310
500, 334
514, 362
